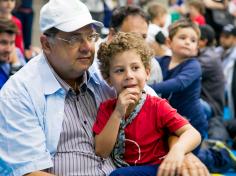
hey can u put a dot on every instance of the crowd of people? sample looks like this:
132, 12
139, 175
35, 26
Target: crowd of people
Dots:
154, 95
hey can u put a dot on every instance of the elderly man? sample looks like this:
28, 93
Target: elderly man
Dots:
48, 108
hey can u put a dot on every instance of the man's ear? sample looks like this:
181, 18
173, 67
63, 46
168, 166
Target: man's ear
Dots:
46, 46
111, 34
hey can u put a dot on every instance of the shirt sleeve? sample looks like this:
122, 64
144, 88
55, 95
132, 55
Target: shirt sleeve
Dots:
104, 113
189, 73
22, 140
169, 118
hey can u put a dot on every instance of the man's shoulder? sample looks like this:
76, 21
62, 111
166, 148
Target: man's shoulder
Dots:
100, 85
25, 79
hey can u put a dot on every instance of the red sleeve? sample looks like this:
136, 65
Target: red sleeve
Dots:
169, 117
104, 112
19, 37
200, 20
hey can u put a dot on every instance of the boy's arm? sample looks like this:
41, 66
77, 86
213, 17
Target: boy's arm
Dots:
105, 141
192, 166
189, 73
189, 138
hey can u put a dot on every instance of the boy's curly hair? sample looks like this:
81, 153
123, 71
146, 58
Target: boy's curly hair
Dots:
120, 43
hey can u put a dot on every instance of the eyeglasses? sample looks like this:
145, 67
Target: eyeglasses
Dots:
77, 40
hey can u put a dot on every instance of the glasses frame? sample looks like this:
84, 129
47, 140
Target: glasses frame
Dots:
74, 41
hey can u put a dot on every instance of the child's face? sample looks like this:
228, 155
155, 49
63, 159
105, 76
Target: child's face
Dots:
6, 6
163, 20
184, 43
226, 40
7, 45
193, 11
127, 71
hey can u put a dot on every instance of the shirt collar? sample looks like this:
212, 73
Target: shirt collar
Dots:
5, 67
88, 79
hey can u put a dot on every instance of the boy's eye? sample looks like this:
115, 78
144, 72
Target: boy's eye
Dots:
135, 68
194, 40
119, 70
182, 37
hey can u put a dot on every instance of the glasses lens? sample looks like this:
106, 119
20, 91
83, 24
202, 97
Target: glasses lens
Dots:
75, 41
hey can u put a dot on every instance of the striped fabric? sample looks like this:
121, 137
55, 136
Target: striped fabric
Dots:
75, 153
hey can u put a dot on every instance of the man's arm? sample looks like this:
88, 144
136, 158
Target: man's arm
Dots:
39, 173
23, 144
216, 4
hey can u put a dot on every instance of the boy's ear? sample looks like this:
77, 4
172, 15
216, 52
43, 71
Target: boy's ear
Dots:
168, 42
148, 72
108, 81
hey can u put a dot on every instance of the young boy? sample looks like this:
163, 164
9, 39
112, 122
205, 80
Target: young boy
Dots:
133, 127
182, 74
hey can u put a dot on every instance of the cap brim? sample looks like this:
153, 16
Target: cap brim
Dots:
74, 25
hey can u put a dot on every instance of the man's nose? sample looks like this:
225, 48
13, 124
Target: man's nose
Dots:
86, 45
8, 47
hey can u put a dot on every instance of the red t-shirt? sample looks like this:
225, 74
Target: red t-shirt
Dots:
149, 129
19, 36
200, 20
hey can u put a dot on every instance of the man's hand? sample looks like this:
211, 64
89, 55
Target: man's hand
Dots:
192, 166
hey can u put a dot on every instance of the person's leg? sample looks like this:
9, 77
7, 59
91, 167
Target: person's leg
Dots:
27, 29
206, 108
147, 170
217, 157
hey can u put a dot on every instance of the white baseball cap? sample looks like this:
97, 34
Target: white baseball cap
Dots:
65, 15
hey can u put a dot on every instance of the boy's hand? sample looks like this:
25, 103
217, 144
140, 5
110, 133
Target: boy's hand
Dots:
128, 96
172, 163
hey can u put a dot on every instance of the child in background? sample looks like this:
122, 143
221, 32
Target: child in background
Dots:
133, 127
196, 12
182, 74
159, 46
158, 17
156, 32
6, 8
